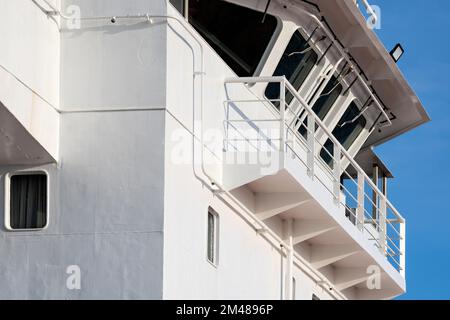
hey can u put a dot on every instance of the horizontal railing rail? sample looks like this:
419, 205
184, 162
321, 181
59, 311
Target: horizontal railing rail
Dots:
383, 224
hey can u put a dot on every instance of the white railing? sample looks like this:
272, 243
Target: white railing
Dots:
365, 205
369, 10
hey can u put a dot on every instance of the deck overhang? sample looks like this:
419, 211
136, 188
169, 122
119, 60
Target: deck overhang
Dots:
18, 147
29, 125
322, 234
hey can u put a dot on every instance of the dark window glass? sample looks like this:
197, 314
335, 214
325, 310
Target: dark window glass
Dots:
296, 63
327, 98
323, 105
237, 34
346, 131
314, 297
28, 201
179, 5
212, 237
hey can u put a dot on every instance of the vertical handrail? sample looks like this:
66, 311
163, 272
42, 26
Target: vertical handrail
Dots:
382, 221
282, 122
337, 173
311, 145
360, 197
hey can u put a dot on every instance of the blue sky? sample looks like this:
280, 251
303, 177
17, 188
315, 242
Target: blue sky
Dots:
420, 159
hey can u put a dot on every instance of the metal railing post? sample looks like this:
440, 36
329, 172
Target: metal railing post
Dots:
282, 115
311, 144
375, 172
337, 173
382, 225
360, 208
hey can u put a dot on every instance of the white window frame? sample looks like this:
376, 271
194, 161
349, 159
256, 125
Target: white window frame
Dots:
7, 193
315, 71
216, 217
270, 46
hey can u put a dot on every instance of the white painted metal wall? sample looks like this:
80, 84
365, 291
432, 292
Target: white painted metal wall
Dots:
106, 191
29, 70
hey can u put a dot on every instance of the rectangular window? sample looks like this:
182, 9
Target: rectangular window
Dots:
327, 98
212, 241
26, 201
239, 35
323, 105
346, 132
297, 61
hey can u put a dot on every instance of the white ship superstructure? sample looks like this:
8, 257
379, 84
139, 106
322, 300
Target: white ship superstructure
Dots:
199, 149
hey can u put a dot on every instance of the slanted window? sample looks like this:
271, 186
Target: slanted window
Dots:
26, 201
296, 63
238, 34
314, 297
179, 5
212, 236
346, 132
326, 100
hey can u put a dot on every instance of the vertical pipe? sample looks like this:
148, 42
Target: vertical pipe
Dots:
290, 258
282, 291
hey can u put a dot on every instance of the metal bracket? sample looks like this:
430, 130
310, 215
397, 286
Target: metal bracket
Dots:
261, 230
51, 13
